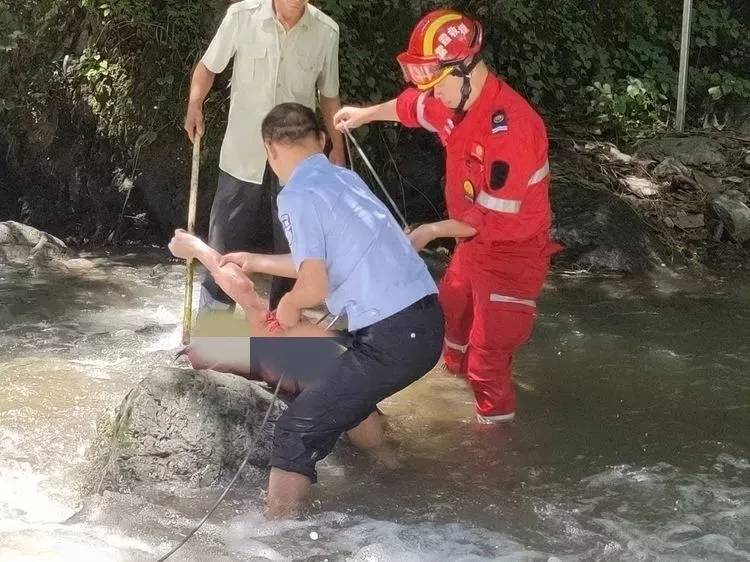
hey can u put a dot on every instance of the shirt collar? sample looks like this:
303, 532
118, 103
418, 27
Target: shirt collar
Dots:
267, 13
490, 89
311, 161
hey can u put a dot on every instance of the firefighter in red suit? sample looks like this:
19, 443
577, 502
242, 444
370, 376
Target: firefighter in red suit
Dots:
496, 191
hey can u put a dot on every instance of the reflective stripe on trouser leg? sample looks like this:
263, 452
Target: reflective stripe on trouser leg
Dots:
500, 418
502, 324
495, 297
455, 346
499, 330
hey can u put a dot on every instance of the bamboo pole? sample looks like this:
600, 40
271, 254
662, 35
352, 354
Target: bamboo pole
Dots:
187, 309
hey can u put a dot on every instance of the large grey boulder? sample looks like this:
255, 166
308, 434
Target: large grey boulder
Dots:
600, 231
731, 208
699, 151
21, 244
185, 427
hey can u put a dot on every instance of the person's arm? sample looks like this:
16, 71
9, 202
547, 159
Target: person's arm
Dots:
200, 86
311, 287
277, 265
185, 246
451, 228
216, 58
229, 277
411, 108
309, 291
350, 117
329, 100
329, 107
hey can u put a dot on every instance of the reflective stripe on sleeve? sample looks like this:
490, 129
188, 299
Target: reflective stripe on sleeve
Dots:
494, 297
540, 174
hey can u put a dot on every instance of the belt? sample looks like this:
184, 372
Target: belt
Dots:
428, 301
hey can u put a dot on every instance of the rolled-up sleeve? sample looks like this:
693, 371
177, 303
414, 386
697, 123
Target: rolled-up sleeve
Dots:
302, 227
223, 46
406, 107
421, 109
328, 79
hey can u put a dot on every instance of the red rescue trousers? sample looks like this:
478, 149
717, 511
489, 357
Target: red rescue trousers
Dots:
489, 307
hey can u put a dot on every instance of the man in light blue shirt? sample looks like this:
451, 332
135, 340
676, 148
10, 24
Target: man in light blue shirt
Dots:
346, 250
329, 214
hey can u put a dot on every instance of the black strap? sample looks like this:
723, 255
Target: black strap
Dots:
464, 69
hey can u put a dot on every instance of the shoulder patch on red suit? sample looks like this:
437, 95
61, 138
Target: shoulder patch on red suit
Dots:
499, 122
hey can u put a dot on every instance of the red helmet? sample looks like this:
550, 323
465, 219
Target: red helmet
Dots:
440, 41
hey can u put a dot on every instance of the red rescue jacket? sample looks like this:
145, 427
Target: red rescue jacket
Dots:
497, 171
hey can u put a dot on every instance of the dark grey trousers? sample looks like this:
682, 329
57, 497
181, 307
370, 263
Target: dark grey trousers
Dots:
244, 218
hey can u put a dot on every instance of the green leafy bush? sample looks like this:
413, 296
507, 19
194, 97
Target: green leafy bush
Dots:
110, 75
553, 52
632, 107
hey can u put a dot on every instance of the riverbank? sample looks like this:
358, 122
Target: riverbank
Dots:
673, 201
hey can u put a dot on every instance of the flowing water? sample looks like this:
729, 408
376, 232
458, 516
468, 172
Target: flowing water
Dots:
632, 440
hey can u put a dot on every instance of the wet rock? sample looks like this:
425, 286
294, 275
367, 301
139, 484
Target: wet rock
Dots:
708, 183
24, 244
600, 231
691, 151
607, 152
733, 212
642, 187
184, 427
735, 180
689, 221
668, 168
78, 265
437, 261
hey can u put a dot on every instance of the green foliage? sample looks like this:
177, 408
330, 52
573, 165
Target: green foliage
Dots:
10, 29
100, 85
372, 33
128, 61
632, 107
120, 64
555, 53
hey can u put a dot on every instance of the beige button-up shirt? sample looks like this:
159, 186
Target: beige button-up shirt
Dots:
271, 66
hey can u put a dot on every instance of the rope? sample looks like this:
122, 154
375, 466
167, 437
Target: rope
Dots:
349, 137
231, 483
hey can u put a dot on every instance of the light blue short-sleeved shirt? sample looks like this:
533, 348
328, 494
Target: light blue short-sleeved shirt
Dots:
328, 213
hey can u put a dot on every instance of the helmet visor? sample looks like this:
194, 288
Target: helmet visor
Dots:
424, 74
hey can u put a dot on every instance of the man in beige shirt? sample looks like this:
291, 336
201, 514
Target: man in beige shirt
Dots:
283, 51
